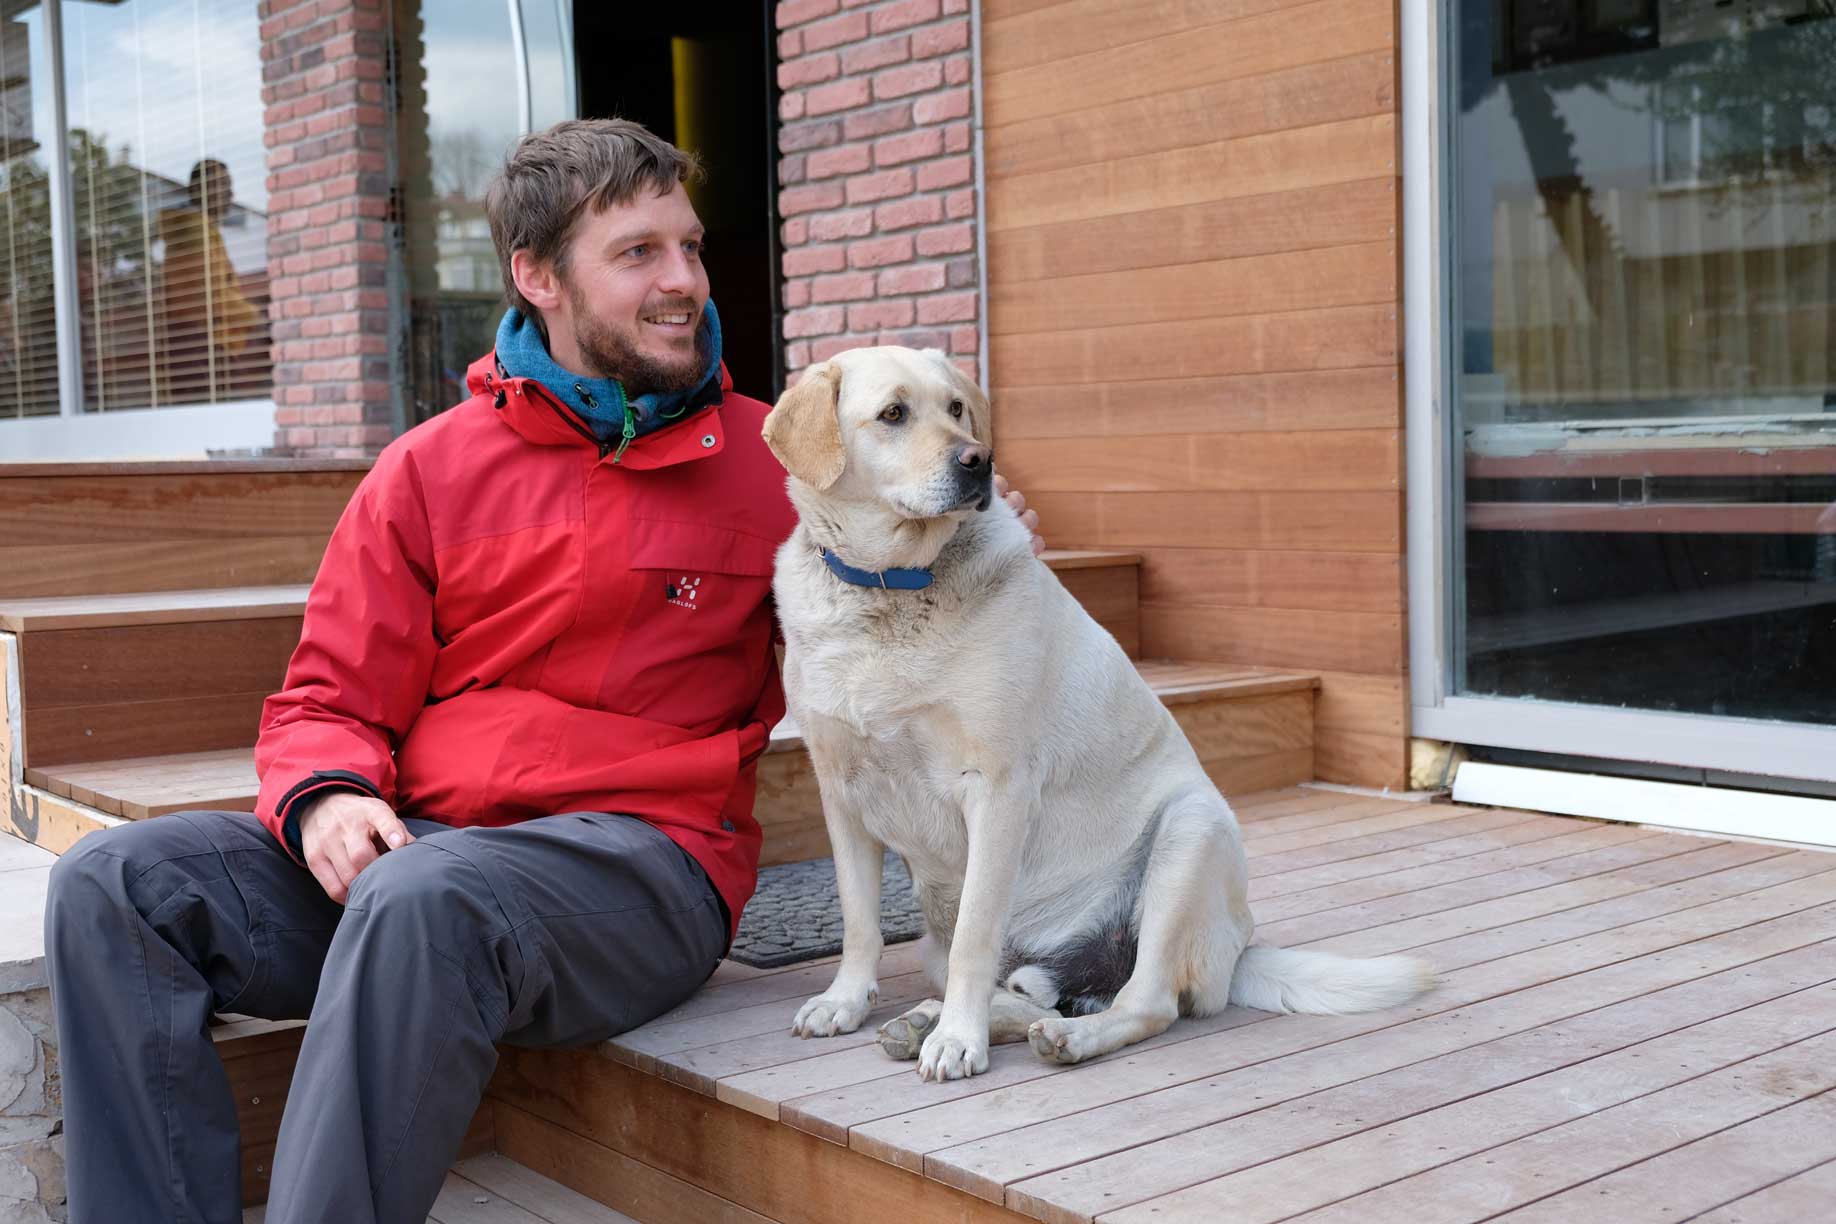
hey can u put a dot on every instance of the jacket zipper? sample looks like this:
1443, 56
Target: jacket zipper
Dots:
630, 432
605, 447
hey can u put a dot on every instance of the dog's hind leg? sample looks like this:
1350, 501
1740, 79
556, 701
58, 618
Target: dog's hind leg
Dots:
903, 1036
1187, 895
1009, 1019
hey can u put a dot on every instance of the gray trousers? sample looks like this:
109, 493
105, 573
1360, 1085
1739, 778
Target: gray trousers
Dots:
561, 931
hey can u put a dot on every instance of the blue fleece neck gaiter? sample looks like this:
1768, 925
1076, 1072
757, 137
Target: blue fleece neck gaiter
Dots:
600, 402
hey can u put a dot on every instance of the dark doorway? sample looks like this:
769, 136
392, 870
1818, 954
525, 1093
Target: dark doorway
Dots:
701, 76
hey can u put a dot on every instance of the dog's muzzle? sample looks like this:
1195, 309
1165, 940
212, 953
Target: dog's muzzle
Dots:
975, 477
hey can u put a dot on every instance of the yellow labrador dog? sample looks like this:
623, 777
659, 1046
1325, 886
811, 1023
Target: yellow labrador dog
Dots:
1082, 880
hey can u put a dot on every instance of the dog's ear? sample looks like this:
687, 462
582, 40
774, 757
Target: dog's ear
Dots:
804, 429
979, 415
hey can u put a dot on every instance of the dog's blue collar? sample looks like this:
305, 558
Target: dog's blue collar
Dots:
887, 580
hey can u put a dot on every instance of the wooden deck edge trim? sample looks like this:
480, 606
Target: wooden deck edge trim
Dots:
184, 467
775, 1170
50, 822
607, 1176
14, 620
1226, 690
1061, 559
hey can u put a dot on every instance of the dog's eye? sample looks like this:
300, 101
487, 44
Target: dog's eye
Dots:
956, 408
893, 413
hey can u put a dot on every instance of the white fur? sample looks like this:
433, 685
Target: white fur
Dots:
998, 739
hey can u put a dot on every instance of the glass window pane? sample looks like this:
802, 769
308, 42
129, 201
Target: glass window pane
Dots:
1645, 235
547, 25
169, 186
458, 119
28, 328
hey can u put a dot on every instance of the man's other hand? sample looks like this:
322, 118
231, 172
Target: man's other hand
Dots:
1029, 518
345, 832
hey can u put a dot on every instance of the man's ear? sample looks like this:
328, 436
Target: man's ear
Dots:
980, 415
535, 280
804, 429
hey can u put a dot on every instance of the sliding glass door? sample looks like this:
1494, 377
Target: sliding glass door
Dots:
1639, 199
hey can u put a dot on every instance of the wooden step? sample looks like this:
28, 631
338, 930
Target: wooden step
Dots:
1108, 585
138, 787
112, 676
206, 604
493, 1189
258, 1057
93, 528
104, 677
1252, 728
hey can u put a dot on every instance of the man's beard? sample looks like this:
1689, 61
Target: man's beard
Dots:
611, 353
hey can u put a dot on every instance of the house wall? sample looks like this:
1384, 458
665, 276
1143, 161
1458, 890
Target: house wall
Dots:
323, 71
1192, 215
876, 177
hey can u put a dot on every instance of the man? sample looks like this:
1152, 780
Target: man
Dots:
512, 763
209, 321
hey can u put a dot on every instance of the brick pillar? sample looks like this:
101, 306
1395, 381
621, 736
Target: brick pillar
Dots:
324, 67
877, 177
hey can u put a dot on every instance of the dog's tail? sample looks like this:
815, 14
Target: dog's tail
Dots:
1291, 980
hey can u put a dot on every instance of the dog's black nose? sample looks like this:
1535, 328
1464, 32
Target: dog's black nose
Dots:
975, 458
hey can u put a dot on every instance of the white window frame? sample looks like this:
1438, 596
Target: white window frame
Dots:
1435, 542
180, 431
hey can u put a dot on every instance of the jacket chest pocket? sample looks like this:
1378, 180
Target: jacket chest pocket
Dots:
704, 615
699, 572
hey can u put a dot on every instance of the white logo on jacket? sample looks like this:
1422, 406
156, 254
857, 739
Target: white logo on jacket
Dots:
683, 591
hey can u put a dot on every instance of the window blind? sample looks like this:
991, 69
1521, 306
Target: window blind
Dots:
28, 333
169, 187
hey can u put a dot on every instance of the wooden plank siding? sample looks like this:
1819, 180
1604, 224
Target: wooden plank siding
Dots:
88, 529
1192, 210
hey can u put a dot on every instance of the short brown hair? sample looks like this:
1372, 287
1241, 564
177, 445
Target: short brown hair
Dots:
549, 177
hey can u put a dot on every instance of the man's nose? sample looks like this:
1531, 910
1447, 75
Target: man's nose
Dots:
678, 274
976, 459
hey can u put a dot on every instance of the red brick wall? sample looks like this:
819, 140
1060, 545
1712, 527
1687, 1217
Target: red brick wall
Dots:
876, 177
323, 69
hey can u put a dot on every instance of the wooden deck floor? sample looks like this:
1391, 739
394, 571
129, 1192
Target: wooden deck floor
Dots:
1629, 1025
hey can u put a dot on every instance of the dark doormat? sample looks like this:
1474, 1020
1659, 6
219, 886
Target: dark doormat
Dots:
796, 915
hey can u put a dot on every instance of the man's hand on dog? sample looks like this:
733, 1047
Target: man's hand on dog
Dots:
345, 832
1028, 518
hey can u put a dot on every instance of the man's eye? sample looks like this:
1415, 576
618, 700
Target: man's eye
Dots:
956, 408
639, 251
695, 248
892, 414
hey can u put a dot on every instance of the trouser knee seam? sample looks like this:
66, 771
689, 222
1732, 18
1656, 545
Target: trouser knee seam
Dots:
499, 1018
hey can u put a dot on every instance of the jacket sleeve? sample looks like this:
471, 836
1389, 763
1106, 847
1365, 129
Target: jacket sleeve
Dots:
359, 677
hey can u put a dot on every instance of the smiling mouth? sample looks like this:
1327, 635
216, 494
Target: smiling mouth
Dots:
674, 320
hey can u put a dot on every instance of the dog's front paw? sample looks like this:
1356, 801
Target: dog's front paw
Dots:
950, 1053
829, 1013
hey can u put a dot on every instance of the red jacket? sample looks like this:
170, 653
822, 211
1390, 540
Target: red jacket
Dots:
508, 624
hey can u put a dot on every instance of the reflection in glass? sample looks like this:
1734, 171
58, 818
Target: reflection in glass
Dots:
1644, 212
169, 189
458, 119
28, 328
